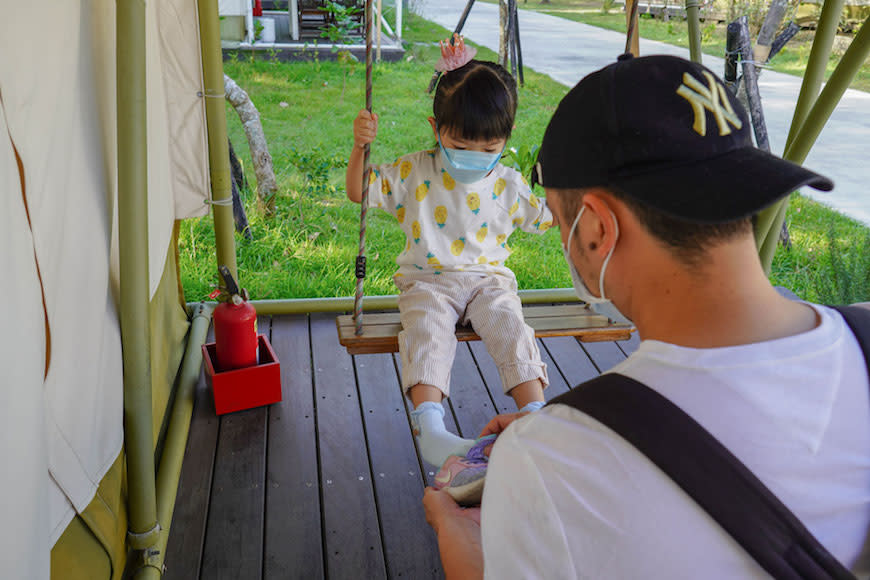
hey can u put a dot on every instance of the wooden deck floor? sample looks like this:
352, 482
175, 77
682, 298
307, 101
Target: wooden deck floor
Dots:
328, 483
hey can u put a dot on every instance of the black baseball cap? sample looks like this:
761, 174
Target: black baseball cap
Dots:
666, 132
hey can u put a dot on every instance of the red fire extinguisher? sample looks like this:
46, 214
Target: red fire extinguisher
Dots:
258, 8
235, 328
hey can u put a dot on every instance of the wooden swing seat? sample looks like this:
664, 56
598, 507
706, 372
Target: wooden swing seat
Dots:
381, 331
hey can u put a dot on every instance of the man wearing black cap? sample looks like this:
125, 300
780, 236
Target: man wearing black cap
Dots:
651, 174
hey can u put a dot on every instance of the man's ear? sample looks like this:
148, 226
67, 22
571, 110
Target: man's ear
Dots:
434, 125
600, 229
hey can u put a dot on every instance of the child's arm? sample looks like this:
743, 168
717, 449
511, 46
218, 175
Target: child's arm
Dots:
365, 128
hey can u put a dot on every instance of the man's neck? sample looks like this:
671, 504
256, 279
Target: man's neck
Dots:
726, 302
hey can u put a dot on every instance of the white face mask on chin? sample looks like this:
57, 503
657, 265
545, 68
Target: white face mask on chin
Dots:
605, 305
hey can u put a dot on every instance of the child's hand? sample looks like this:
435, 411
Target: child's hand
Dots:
365, 128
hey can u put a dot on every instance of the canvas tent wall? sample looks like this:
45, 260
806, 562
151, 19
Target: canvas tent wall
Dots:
61, 397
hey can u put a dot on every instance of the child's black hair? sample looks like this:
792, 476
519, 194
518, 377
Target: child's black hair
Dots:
476, 101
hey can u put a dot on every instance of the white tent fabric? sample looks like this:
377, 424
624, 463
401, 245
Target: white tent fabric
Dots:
22, 363
64, 432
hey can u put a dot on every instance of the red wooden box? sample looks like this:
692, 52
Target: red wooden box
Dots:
239, 389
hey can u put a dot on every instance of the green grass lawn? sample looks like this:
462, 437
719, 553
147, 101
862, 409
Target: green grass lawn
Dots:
308, 248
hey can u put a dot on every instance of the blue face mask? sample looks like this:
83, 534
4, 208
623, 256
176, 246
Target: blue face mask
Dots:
467, 166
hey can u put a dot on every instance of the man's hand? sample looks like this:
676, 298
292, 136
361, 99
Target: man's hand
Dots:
365, 128
499, 423
458, 531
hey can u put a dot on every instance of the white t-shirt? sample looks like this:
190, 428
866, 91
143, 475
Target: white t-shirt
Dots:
451, 226
568, 498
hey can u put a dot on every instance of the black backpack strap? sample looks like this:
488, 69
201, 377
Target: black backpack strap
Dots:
858, 319
709, 473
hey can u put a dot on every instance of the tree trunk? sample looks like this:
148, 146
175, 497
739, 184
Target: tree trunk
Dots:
250, 117
238, 183
774, 17
502, 33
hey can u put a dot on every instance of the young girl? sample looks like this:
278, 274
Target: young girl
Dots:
457, 206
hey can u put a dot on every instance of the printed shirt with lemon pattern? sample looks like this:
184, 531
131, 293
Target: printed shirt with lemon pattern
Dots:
451, 226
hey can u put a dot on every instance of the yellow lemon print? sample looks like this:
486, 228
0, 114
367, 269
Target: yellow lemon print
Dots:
373, 176
422, 190
481, 233
449, 184
405, 169
514, 208
415, 231
396, 162
385, 187
517, 222
473, 201
546, 225
500, 239
494, 263
408, 246
457, 246
498, 188
481, 260
440, 215
400, 213
432, 260
533, 200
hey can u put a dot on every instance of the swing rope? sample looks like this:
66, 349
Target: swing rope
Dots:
361, 258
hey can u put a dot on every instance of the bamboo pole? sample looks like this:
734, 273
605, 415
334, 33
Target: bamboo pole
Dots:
632, 34
816, 119
389, 302
135, 286
218, 157
769, 221
693, 15
176, 434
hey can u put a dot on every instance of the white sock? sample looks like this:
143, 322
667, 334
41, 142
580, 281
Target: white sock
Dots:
532, 406
436, 442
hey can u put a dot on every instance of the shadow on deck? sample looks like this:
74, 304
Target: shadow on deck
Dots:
328, 483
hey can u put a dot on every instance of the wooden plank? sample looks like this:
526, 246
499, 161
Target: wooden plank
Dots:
604, 355
630, 345
383, 336
571, 361
410, 546
533, 311
469, 398
352, 539
292, 547
234, 540
187, 531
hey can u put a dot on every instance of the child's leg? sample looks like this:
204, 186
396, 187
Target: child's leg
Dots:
528, 395
427, 344
435, 441
496, 315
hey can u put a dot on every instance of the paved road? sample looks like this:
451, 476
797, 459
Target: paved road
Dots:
567, 51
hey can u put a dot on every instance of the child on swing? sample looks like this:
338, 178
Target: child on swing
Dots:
457, 206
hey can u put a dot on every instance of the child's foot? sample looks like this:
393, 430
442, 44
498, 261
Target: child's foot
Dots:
463, 478
435, 441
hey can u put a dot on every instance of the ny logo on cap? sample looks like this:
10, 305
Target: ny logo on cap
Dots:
713, 98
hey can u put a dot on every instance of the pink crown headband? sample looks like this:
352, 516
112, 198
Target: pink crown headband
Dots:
455, 55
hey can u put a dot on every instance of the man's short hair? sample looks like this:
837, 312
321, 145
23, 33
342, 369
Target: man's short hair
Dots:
688, 241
